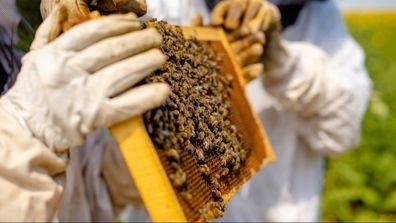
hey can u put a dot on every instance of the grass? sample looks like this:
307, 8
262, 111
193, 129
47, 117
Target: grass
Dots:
361, 185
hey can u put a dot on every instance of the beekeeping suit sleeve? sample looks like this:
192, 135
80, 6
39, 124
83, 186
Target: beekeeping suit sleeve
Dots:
99, 186
324, 80
28, 173
329, 96
28, 169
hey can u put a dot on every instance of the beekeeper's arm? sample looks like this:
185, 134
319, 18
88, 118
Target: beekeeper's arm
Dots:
329, 98
67, 88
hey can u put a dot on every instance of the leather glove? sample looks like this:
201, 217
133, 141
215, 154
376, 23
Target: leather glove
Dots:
196, 20
248, 51
139, 7
78, 11
84, 79
253, 29
252, 15
81, 8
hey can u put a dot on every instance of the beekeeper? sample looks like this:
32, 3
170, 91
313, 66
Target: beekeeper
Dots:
310, 97
66, 89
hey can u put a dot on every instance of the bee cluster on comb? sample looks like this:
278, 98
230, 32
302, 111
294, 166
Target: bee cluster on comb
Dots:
197, 143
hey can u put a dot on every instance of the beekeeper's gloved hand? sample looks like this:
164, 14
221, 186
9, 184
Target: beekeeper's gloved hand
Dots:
253, 28
83, 7
78, 11
84, 79
139, 7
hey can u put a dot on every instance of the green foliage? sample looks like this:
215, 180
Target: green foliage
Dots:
31, 19
361, 185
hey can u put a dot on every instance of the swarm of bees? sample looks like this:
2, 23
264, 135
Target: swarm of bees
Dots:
192, 131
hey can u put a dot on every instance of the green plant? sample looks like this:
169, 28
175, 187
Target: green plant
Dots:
361, 185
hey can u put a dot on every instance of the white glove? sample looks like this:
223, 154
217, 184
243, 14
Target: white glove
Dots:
83, 79
253, 29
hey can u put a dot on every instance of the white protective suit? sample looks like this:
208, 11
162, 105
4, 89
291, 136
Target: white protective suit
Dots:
315, 110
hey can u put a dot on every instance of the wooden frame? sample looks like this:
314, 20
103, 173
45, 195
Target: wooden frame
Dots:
145, 166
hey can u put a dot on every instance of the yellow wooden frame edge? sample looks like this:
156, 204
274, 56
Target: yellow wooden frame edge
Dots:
142, 159
146, 170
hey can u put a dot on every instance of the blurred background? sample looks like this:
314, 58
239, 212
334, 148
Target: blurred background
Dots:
361, 185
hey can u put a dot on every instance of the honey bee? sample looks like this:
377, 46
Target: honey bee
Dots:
204, 169
216, 194
224, 171
200, 155
178, 178
172, 154
194, 119
186, 196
